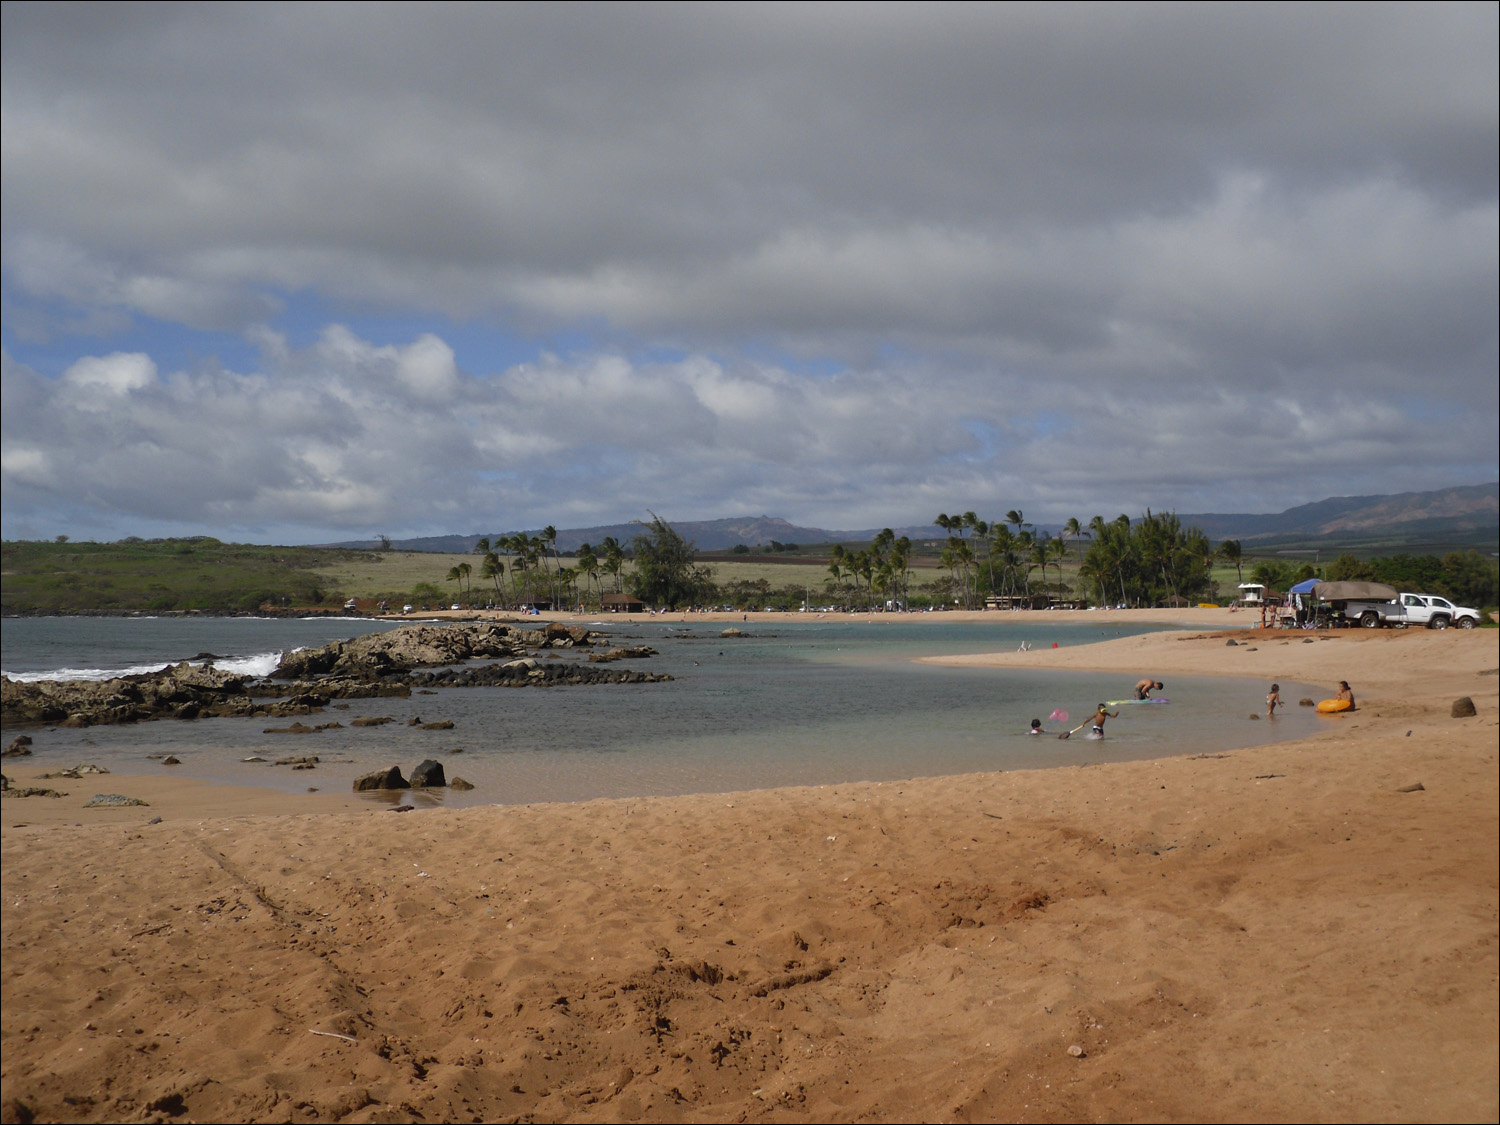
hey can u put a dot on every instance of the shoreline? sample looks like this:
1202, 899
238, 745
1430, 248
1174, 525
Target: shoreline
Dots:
148, 782
1291, 931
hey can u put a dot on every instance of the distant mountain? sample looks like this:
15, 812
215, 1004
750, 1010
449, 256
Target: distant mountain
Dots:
1468, 515
1466, 512
706, 535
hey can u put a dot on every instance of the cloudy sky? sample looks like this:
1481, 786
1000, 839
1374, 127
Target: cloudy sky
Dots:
303, 272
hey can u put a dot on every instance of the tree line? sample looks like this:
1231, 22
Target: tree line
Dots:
1465, 577
1149, 561
1141, 562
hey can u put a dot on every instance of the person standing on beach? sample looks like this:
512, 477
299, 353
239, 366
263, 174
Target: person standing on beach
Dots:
1144, 689
1273, 700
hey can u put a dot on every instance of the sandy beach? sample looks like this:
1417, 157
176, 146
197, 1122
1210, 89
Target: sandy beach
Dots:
1303, 931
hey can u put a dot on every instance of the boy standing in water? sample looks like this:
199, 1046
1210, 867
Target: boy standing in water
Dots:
1096, 724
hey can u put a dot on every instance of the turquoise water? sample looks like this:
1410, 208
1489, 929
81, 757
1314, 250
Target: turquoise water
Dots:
816, 702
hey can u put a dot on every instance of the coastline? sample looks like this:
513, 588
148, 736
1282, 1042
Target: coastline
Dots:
1274, 932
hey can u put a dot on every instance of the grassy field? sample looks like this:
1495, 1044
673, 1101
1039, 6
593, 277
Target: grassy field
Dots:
207, 575
394, 574
160, 576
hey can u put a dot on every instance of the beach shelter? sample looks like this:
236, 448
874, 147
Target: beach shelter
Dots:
1306, 586
1354, 592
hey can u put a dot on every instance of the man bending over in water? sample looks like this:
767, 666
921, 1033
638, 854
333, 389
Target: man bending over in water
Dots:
1144, 689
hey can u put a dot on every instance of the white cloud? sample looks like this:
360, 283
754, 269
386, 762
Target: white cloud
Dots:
1143, 256
117, 374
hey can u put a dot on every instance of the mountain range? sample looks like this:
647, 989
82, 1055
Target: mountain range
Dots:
1463, 516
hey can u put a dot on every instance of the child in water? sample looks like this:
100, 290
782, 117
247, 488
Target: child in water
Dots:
1096, 722
1273, 700
1036, 727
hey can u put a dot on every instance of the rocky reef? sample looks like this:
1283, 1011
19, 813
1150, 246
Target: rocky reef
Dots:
378, 664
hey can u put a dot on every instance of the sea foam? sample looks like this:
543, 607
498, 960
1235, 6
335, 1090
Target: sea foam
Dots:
258, 665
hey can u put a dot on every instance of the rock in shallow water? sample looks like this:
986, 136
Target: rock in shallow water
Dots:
381, 779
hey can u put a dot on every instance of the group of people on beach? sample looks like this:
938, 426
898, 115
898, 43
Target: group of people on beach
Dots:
1345, 694
1145, 687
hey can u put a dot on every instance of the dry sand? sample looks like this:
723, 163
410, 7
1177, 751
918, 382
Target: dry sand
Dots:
1283, 933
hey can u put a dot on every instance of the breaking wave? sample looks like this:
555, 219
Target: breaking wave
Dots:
260, 664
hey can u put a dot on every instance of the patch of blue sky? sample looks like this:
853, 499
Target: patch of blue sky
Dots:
50, 336
481, 346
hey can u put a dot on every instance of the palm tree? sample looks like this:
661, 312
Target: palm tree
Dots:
1005, 547
493, 569
614, 559
1025, 541
588, 564
1229, 551
1039, 558
1059, 547
836, 558
1074, 530
982, 530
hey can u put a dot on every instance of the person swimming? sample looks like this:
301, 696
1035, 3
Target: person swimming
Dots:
1036, 727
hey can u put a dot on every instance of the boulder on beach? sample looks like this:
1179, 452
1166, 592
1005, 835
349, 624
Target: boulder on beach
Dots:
429, 775
381, 779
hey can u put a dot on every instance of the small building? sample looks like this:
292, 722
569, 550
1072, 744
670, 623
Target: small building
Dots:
1252, 593
1018, 601
621, 603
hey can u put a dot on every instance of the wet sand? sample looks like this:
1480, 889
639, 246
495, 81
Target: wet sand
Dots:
1289, 932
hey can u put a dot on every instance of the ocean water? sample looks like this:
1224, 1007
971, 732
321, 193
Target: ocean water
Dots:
800, 703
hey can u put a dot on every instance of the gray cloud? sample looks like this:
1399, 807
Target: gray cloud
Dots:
1101, 254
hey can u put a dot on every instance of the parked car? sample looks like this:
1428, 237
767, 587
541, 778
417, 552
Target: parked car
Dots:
1411, 609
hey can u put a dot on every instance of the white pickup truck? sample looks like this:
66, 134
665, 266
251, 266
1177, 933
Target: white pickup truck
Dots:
1411, 609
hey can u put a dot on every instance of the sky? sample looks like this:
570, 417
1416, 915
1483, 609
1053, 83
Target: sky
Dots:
304, 273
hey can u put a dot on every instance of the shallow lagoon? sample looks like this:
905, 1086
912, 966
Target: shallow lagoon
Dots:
801, 703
